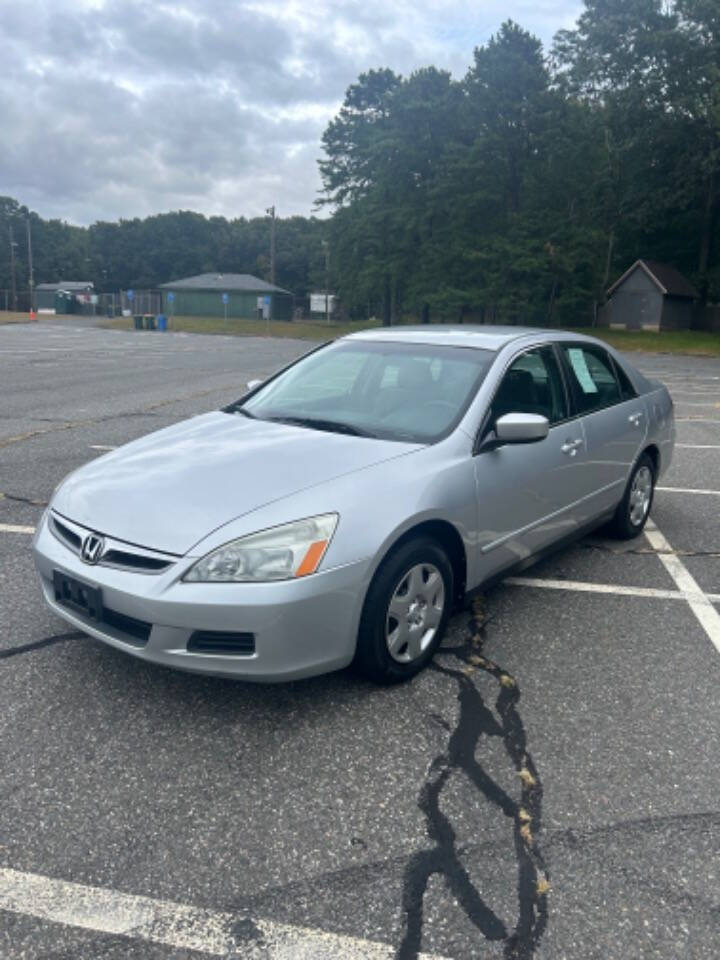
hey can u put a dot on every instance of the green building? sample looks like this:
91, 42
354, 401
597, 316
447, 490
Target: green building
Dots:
204, 295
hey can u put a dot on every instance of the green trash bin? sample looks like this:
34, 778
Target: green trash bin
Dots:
149, 321
138, 322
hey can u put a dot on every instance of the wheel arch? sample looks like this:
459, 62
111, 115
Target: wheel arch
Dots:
449, 538
653, 451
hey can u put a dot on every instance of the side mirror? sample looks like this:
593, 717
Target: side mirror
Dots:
521, 428
516, 428
251, 384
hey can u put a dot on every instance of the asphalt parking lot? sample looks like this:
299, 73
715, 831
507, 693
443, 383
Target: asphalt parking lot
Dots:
549, 789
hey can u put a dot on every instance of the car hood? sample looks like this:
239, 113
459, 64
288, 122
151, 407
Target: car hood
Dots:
170, 489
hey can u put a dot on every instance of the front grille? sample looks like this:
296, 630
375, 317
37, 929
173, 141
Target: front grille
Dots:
134, 561
68, 536
117, 554
138, 630
228, 644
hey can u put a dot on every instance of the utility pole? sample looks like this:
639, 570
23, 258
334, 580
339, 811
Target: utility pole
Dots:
271, 211
13, 244
30, 267
326, 248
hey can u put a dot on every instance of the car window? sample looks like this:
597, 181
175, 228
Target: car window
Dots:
532, 384
332, 376
627, 390
403, 391
592, 376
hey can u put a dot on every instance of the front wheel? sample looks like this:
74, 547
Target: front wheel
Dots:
405, 613
634, 508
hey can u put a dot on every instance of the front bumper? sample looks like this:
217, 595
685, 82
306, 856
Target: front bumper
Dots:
301, 627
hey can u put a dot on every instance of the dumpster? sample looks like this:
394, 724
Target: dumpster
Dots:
161, 322
138, 320
149, 321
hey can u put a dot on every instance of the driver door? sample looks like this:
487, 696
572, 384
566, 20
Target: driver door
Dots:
526, 492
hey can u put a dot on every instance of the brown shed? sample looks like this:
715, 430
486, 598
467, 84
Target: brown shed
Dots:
650, 296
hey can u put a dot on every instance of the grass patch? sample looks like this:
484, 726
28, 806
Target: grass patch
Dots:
691, 342
8, 316
301, 330
697, 343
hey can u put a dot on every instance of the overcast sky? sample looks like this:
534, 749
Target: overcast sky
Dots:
122, 108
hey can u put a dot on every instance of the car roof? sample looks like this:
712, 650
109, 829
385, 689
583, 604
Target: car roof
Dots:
493, 339
461, 335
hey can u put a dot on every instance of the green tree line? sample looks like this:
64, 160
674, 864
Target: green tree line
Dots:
516, 193
519, 192
144, 253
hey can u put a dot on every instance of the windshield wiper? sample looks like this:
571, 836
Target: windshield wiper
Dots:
242, 410
332, 426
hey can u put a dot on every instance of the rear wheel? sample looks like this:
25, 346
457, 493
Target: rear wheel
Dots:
634, 508
405, 613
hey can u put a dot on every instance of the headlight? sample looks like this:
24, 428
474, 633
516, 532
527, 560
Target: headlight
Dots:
281, 553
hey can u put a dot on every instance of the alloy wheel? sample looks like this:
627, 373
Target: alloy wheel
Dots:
640, 495
414, 613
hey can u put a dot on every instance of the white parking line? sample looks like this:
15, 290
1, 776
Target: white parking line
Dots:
699, 446
711, 493
583, 586
175, 924
698, 392
15, 528
700, 604
101, 446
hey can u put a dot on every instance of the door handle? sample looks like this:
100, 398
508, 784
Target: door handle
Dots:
570, 447
635, 418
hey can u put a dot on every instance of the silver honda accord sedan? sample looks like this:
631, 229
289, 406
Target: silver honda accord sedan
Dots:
339, 511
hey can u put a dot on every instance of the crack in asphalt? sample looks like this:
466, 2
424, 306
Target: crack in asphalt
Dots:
445, 858
647, 551
92, 421
38, 644
16, 498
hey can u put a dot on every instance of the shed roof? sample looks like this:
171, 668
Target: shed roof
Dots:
66, 285
224, 282
667, 279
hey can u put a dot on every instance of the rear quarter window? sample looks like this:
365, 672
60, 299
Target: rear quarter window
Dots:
627, 390
592, 377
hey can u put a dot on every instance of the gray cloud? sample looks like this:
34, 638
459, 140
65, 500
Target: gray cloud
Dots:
130, 107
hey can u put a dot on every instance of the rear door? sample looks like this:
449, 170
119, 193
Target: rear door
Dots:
614, 423
525, 492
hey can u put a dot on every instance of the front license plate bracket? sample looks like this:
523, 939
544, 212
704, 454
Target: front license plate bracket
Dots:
77, 596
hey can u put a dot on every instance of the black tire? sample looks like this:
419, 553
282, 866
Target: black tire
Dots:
372, 657
622, 526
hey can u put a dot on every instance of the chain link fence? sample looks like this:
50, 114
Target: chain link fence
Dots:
19, 303
90, 304
142, 302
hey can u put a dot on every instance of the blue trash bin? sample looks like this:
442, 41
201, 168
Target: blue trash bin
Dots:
161, 321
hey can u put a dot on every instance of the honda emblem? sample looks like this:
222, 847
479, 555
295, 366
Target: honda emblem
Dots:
92, 548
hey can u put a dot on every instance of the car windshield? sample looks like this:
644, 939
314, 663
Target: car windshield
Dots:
392, 391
